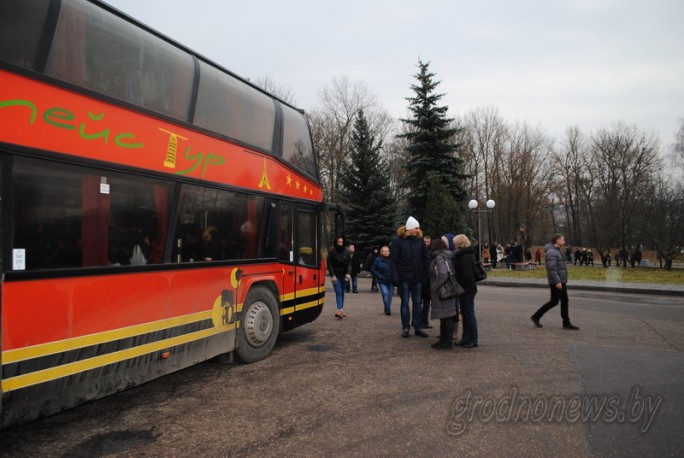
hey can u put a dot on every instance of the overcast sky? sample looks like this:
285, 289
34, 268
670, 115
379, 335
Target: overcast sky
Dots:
550, 63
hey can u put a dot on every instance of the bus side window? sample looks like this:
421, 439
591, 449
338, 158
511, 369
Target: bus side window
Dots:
216, 225
235, 109
70, 216
297, 146
20, 39
107, 54
306, 238
285, 234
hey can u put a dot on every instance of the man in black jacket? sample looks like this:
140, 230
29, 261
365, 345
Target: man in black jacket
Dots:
370, 260
410, 265
355, 268
557, 275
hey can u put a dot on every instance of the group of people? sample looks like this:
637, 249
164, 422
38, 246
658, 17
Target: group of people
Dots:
622, 257
417, 266
583, 256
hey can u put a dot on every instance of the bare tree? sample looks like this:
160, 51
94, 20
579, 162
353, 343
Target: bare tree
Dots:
521, 183
486, 132
665, 216
677, 153
572, 167
269, 85
484, 136
397, 155
332, 123
626, 162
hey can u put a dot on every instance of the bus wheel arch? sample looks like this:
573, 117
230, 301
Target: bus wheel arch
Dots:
259, 324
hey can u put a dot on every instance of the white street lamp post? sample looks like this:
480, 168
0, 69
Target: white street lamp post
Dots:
473, 204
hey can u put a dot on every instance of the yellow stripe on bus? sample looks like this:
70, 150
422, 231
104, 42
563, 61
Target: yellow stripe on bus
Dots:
35, 351
306, 305
65, 370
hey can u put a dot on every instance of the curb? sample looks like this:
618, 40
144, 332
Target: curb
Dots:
646, 289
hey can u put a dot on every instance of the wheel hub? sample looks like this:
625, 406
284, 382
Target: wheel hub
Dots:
258, 324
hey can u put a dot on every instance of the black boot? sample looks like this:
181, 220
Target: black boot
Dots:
446, 328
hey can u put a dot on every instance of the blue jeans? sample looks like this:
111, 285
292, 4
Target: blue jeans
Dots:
386, 290
467, 303
339, 291
414, 292
354, 284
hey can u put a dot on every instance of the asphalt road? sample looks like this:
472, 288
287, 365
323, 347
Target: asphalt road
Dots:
354, 387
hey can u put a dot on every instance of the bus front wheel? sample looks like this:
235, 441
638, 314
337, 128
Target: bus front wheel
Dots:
259, 325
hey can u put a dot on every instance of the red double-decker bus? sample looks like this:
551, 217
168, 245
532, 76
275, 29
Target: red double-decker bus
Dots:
157, 210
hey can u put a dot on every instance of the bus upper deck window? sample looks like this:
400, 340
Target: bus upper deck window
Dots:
104, 53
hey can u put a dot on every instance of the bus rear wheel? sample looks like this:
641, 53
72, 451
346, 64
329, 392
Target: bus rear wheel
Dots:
259, 325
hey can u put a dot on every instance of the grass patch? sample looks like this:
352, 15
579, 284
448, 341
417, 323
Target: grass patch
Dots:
600, 273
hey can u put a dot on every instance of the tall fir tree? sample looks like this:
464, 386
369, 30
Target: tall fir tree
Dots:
442, 215
365, 189
432, 148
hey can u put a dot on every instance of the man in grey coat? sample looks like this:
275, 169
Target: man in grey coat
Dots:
557, 275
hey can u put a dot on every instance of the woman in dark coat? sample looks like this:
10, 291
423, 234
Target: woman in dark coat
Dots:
443, 310
382, 275
339, 268
464, 270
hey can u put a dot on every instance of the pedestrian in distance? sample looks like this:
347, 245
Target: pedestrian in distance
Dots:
537, 257
557, 275
464, 270
382, 274
442, 309
339, 268
485, 253
427, 296
355, 269
493, 254
410, 263
370, 260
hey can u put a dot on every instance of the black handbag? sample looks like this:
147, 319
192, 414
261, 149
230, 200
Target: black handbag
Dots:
480, 272
450, 288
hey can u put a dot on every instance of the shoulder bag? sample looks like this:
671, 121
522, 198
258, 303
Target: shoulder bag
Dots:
450, 288
480, 272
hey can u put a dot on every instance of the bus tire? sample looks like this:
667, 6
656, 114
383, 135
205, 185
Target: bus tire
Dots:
259, 325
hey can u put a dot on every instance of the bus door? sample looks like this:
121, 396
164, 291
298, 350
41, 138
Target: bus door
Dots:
285, 248
307, 262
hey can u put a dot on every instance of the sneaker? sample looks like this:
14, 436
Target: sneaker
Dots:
570, 327
405, 333
427, 326
388, 312
420, 333
338, 315
536, 322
